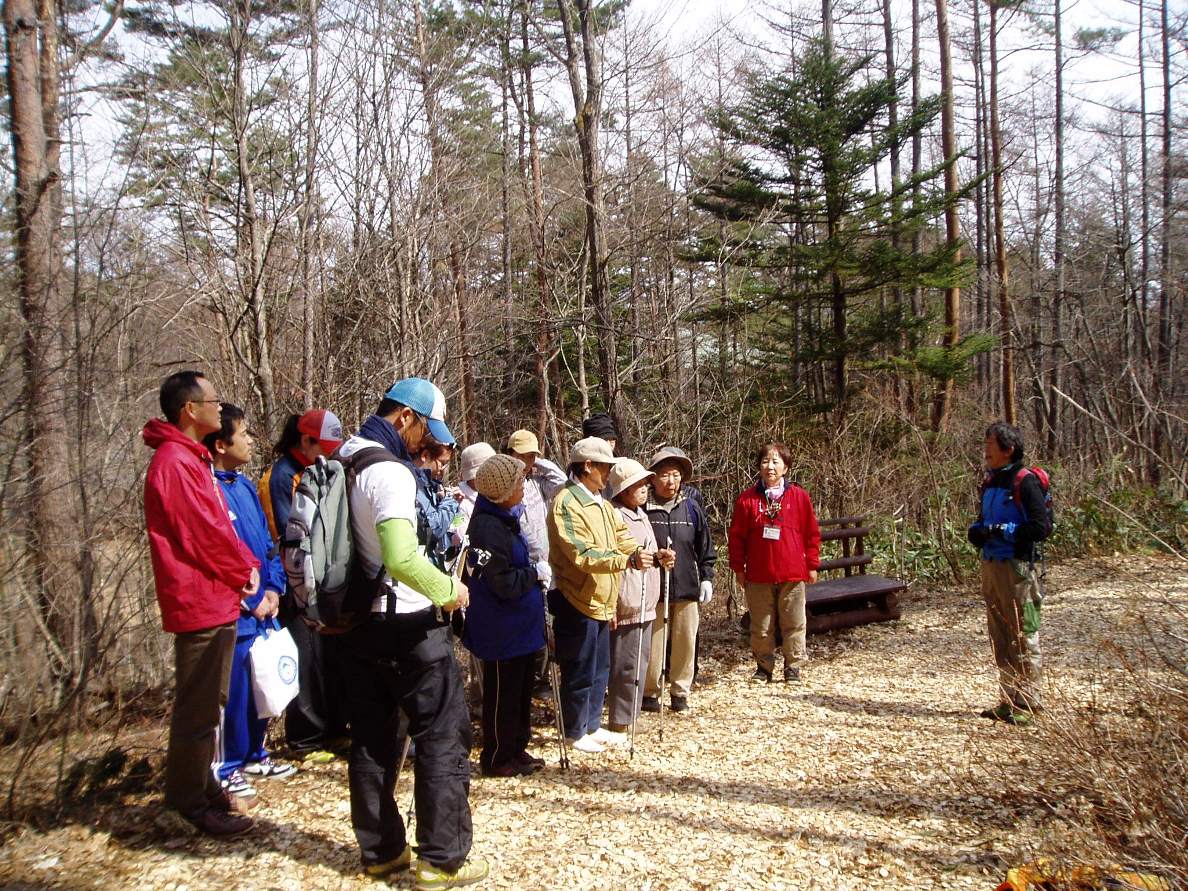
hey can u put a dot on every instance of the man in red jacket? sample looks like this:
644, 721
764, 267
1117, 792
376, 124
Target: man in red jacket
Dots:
202, 572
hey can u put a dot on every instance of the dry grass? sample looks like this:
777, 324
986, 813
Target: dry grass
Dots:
875, 773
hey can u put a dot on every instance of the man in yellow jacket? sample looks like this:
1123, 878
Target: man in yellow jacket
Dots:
589, 547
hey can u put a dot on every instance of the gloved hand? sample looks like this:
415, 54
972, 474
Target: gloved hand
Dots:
544, 573
1006, 530
707, 592
977, 534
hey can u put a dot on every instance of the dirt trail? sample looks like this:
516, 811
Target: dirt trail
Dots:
867, 775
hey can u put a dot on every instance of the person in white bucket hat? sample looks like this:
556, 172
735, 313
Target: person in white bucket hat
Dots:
638, 596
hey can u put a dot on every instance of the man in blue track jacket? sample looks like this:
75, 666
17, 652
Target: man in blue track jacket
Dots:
241, 751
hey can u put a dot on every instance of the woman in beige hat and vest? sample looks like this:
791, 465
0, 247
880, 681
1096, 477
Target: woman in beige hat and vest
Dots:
638, 595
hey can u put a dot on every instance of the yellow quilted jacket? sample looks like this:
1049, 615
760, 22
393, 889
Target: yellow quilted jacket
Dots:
589, 545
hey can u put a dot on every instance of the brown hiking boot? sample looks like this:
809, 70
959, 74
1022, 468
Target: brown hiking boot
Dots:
221, 824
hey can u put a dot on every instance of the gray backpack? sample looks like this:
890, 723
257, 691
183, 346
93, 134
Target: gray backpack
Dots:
329, 590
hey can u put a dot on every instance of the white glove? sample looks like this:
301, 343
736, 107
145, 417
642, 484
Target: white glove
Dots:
707, 592
544, 573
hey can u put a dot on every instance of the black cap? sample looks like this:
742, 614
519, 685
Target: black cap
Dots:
600, 424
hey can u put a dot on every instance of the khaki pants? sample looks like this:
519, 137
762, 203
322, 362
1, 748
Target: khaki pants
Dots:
770, 603
202, 674
1012, 594
684, 618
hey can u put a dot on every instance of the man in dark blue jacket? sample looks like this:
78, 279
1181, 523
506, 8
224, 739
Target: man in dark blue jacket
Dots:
241, 743
1012, 519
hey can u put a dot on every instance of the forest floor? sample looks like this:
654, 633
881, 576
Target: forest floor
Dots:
875, 772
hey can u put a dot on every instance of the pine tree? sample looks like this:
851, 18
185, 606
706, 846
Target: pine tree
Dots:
809, 224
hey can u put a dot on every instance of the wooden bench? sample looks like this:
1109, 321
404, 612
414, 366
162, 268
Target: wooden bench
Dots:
855, 598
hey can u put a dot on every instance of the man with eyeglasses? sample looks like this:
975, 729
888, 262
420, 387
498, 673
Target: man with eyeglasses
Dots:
202, 572
402, 658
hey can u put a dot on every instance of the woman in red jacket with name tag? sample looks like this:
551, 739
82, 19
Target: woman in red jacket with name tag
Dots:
775, 547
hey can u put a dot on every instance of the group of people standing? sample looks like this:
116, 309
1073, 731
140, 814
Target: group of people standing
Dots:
606, 562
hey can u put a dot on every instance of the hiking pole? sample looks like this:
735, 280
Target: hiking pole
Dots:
664, 647
638, 696
555, 686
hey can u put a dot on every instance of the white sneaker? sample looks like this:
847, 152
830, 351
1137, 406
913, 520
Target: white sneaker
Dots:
609, 737
587, 744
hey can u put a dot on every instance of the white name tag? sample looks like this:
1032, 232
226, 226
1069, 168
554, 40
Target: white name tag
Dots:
771, 533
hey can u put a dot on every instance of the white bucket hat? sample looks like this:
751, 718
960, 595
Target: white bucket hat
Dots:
626, 473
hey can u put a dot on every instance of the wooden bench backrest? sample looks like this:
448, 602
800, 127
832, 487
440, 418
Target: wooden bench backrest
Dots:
851, 532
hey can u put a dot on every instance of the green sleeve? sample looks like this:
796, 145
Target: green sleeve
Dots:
398, 546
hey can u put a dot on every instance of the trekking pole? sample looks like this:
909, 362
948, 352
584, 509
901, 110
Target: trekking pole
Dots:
555, 687
403, 758
637, 699
664, 647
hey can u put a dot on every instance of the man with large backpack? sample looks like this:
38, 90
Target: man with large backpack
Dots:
401, 657
1014, 517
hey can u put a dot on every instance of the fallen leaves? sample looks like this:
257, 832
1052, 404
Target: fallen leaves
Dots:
858, 778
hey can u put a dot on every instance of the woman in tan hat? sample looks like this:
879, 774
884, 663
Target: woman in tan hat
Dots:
638, 594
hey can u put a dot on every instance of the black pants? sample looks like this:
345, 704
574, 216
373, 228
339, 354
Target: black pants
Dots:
407, 663
507, 708
316, 714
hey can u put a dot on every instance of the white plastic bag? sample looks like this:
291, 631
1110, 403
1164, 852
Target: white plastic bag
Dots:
274, 671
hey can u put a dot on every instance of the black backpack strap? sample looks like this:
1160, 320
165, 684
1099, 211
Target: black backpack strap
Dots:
369, 457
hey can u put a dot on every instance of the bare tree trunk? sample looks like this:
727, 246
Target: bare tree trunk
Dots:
461, 318
1144, 186
832, 227
584, 68
1004, 304
536, 221
917, 295
1057, 351
893, 124
981, 207
308, 236
944, 395
252, 266
1162, 379
31, 38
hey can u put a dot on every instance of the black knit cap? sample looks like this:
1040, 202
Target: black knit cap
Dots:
600, 424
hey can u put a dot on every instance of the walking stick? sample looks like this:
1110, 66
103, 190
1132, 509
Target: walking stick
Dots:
638, 669
664, 648
555, 686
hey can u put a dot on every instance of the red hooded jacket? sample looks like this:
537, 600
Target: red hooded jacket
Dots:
199, 563
788, 558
